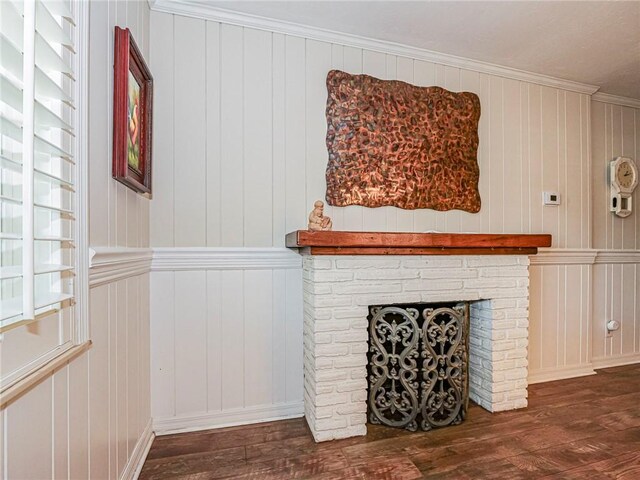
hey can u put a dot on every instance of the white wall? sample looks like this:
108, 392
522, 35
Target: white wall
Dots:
240, 151
616, 132
91, 418
240, 157
119, 216
226, 338
560, 316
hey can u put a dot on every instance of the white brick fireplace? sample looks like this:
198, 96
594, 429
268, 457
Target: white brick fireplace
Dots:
338, 291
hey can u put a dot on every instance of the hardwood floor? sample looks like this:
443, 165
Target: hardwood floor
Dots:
582, 428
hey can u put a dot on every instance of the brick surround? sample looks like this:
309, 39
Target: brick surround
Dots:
338, 291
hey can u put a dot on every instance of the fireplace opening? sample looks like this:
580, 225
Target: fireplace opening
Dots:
418, 365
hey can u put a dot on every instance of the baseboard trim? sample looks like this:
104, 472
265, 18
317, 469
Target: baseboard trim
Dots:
617, 361
560, 373
227, 418
139, 455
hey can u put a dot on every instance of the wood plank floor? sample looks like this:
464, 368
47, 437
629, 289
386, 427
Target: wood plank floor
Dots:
583, 428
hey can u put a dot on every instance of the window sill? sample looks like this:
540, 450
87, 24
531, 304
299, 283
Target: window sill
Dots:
14, 390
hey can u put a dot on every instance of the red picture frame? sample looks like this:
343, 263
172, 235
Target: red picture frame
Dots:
132, 114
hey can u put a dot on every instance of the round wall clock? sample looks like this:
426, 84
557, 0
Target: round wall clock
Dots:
623, 176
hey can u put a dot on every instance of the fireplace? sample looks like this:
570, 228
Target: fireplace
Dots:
345, 272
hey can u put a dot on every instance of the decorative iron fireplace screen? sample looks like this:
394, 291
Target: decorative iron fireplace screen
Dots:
418, 365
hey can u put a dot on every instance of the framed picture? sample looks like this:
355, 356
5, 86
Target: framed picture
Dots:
132, 114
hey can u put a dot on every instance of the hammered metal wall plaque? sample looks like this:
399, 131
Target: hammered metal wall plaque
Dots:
395, 144
418, 365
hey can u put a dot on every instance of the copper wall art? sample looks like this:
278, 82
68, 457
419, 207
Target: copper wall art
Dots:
392, 143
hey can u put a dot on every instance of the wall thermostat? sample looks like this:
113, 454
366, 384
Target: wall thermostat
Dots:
551, 198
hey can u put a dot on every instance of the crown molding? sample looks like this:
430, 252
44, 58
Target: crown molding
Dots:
202, 11
616, 100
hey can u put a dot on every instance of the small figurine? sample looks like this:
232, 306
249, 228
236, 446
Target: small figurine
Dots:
317, 220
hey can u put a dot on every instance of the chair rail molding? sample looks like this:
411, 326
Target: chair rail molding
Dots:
584, 256
618, 256
564, 256
108, 265
171, 259
201, 10
196, 258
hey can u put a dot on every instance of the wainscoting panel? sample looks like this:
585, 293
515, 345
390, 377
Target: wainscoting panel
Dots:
91, 418
617, 297
227, 340
226, 337
573, 294
559, 318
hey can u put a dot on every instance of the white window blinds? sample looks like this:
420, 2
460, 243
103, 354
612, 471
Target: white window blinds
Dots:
37, 112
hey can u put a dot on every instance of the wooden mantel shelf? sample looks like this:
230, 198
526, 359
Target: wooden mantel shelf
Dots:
392, 243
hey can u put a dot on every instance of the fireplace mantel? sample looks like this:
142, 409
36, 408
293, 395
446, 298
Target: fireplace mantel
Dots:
395, 243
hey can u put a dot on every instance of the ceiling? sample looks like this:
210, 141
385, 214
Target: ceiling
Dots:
593, 42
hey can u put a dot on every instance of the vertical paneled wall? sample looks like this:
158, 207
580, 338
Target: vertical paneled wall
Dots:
240, 152
91, 418
560, 318
235, 331
85, 420
616, 132
119, 216
118, 375
240, 157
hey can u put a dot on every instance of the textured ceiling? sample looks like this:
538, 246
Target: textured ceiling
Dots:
585, 41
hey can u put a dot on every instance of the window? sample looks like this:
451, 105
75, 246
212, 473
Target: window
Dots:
42, 229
